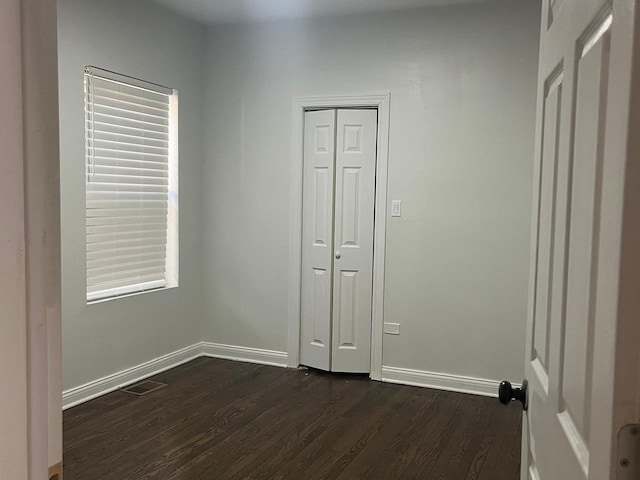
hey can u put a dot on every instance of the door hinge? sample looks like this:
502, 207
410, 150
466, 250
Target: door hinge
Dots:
629, 452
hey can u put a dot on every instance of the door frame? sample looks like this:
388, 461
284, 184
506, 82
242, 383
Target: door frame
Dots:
31, 416
382, 104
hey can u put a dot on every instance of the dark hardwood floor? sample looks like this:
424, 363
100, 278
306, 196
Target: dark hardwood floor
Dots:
220, 420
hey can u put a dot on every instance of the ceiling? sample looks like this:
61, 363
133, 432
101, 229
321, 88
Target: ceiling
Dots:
233, 11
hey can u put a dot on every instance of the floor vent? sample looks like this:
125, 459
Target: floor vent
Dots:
144, 387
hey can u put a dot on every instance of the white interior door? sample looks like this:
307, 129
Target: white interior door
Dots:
353, 240
337, 239
574, 358
317, 238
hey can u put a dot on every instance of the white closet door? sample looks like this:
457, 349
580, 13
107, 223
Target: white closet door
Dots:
317, 239
353, 240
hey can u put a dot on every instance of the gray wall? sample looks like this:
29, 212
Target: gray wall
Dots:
462, 81
146, 41
463, 86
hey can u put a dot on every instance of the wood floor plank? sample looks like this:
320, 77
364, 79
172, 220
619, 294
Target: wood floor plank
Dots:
364, 422
304, 429
455, 451
487, 444
392, 434
499, 462
223, 420
223, 456
420, 443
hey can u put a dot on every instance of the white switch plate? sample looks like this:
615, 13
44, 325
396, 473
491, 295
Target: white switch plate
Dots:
392, 328
396, 208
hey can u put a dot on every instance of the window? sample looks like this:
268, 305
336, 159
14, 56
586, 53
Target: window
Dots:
131, 184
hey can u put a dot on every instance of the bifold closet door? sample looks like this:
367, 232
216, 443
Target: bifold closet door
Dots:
337, 254
356, 134
317, 238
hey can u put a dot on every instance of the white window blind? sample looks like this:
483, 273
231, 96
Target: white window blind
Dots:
131, 185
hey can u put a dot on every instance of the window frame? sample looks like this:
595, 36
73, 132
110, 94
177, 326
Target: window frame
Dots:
171, 261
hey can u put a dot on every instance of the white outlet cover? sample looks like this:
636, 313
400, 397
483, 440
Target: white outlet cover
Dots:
392, 328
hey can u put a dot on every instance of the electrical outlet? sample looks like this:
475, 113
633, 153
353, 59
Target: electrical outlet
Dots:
392, 328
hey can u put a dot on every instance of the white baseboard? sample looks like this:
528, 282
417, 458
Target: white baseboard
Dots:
441, 381
83, 393
102, 386
88, 391
245, 354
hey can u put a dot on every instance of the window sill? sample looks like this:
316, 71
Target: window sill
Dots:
133, 294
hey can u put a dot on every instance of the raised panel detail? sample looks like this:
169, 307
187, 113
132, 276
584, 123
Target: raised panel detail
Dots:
533, 472
321, 289
323, 136
542, 373
575, 439
350, 206
353, 138
577, 372
348, 304
554, 8
547, 222
321, 206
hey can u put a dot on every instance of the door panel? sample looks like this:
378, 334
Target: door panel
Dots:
323, 190
317, 239
546, 234
353, 264
321, 304
568, 428
349, 208
346, 320
583, 243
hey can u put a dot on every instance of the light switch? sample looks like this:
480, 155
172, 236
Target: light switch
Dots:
396, 208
